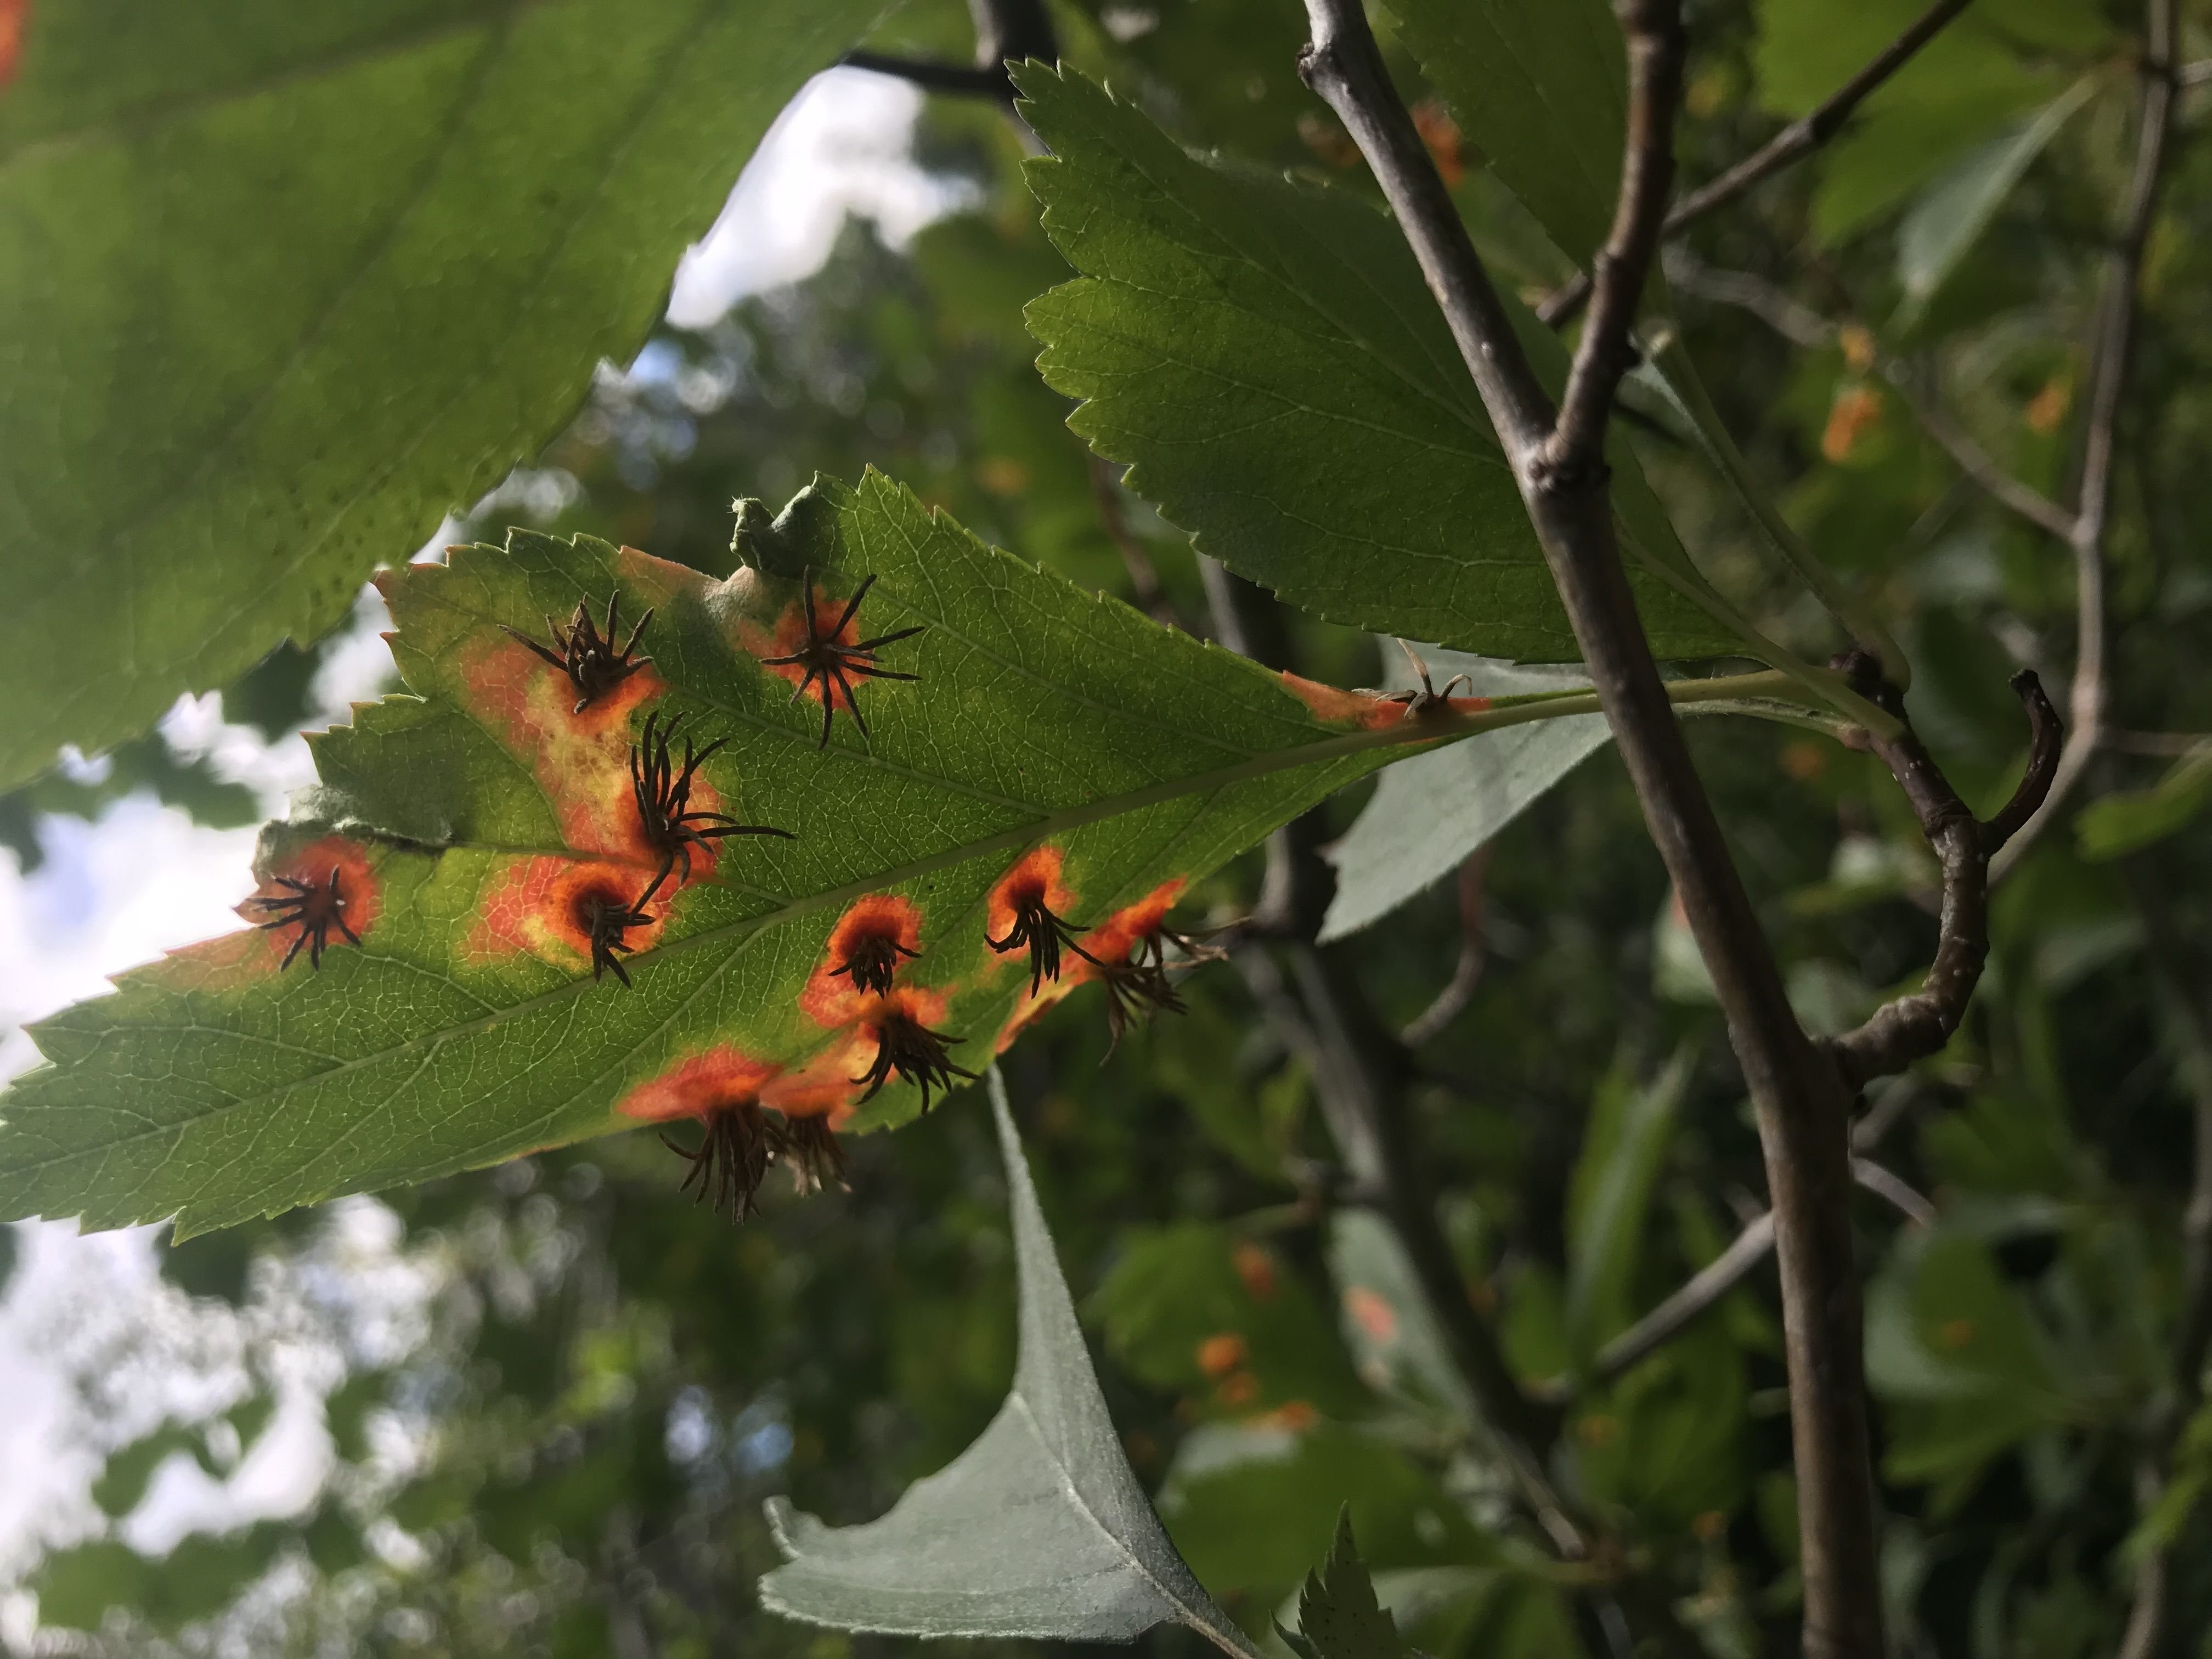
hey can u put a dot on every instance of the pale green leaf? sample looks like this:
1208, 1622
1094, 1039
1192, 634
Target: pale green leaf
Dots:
1429, 813
1609, 1195
1039, 1529
2128, 820
1266, 356
281, 284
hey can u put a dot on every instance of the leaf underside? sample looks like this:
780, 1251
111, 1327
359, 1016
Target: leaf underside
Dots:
471, 821
279, 292
1265, 354
1038, 1530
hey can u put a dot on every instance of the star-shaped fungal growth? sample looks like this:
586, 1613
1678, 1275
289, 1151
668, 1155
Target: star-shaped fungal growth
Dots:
1138, 986
919, 1055
836, 663
736, 1145
314, 909
1427, 696
671, 824
1036, 926
810, 1147
587, 657
871, 960
606, 918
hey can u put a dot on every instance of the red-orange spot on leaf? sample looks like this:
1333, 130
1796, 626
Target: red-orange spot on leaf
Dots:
1256, 1269
824, 1083
1114, 938
1376, 1318
1034, 878
831, 998
581, 760
697, 1084
1222, 1353
15, 20
537, 907
789, 634
1359, 708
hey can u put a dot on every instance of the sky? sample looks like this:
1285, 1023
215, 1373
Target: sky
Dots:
96, 1348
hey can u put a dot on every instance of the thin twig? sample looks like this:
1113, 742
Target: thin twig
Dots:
1006, 31
1911, 1027
1466, 973
1796, 1094
1793, 143
960, 80
2114, 347
2164, 746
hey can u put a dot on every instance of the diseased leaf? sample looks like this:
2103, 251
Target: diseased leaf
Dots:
1542, 87
474, 824
1266, 356
1429, 813
1038, 1530
1338, 1615
1387, 1323
280, 288
1952, 213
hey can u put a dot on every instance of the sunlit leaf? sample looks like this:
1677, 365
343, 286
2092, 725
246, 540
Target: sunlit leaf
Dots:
282, 287
472, 825
1038, 1530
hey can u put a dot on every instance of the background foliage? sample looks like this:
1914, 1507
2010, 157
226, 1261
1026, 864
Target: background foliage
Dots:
570, 1454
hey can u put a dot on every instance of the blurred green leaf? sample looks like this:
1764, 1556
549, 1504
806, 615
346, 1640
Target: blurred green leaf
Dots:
1609, 1198
1338, 1615
1385, 1317
2128, 820
1038, 1530
194, 786
130, 1469
396, 238
1954, 210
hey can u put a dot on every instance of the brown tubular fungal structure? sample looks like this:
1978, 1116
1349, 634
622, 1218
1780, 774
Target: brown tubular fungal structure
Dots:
737, 1144
837, 664
871, 961
919, 1055
314, 909
1036, 927
605, 919
588, 658
671, 824
1139, 985
809, 1145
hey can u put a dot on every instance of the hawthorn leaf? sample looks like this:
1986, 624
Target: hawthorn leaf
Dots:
1056, 743
1609, 1195
1429, 812
1339, 1616
282, 286
1038, 1530
1541, 88
1265, 356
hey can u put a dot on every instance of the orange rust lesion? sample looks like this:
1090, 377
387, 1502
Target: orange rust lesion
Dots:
540, 905
15, 20
878, 932
1035, 879
788, 634
825, 1086
698, 1085
1373, 711
1113, 941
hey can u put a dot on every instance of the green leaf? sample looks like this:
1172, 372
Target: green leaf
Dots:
1038, 1530
130, 1469
470, 821
77, 1587
1266, 356
1222, 1320
1429, 813
1338, 1615
1953, 212
2128, 820
1386, 1324
1541, 88
1609, 1195
282, 288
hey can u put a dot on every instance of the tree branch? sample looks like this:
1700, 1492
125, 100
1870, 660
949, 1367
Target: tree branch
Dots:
2114, 346
1793, 143
1912, 1027
1795, 1092
1466, 973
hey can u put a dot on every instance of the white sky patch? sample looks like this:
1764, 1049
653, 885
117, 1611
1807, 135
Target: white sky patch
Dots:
844, 146
144, 880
